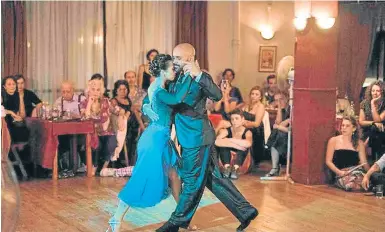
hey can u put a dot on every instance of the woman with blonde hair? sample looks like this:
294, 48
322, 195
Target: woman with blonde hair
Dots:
97, 107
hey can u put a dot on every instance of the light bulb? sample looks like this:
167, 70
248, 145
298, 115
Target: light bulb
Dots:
325, 22
300, 23
267, 32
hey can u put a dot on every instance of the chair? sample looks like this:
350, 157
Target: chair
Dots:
246, 166
7, 145
15, 148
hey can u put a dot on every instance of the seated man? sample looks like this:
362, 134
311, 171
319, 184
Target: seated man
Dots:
236, 138
278, 140
68, 104
69, 101
376, 174
271, 90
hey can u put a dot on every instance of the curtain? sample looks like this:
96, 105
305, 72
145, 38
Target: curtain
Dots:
358, 23
133, 28
14, 46
65, 42
192, 28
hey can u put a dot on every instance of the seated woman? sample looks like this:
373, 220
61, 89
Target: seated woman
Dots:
253, 113
372, 117
98, 108
121, 99
14, 109
231, 99
345, 150
236, 138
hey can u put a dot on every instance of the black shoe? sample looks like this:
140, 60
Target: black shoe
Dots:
168, 227
227, 171
246, 223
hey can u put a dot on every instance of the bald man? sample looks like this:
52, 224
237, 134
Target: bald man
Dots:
196, 136
69, 102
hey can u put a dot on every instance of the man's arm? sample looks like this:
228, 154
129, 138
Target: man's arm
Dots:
377, 167
210, 89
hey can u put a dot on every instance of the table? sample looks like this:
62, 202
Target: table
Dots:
44, 141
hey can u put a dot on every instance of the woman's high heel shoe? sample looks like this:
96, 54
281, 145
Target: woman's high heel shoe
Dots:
114, 225
192, 228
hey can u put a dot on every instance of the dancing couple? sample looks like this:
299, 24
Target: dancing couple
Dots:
180, 88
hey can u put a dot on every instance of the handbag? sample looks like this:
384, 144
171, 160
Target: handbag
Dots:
352, 180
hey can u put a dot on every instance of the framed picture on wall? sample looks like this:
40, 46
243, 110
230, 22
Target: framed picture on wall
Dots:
267, 58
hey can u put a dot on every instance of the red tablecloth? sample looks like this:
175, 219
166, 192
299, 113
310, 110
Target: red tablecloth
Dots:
44, 141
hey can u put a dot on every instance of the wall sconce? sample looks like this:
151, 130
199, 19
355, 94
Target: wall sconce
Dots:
300, 23
325, 22
266, 30
325, 13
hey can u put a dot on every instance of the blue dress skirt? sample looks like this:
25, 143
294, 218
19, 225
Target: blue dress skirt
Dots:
148, 184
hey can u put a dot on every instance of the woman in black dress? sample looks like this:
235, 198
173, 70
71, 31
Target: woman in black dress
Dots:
145, 78
14, 109
253, 113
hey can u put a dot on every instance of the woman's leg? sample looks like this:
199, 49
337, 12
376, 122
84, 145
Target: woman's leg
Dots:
116, 220
175, 184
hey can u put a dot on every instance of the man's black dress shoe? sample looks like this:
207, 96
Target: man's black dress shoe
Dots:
246, 223
169, 227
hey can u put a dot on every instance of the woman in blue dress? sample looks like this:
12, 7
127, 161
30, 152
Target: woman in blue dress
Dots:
157, 156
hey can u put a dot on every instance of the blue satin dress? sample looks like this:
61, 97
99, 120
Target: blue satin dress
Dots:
148, 184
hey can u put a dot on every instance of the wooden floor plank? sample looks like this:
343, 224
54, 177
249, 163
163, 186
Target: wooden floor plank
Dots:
85, 204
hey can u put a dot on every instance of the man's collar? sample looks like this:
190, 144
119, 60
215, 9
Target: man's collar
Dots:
73, 98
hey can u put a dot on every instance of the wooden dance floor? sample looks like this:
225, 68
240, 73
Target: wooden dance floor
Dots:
85, 204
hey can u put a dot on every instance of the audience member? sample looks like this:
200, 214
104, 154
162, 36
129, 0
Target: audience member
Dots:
232, 97
372, 117
236, 138
343, 107
69, 106
121, 99
345, 152
145, 78
375, 175
14, 109
69, 102
97, 107
31, 101
278, 140
254, 112
137, 121
271, 89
